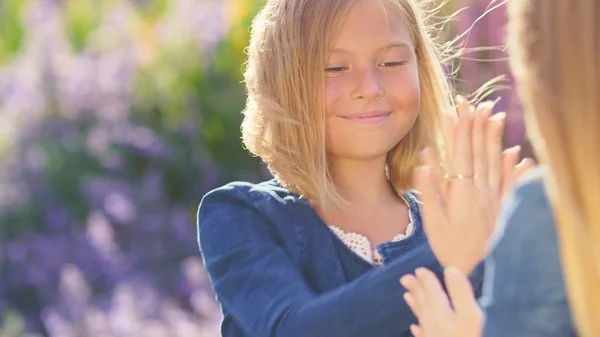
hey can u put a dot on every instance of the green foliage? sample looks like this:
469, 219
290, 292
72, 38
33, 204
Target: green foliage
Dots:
11, 27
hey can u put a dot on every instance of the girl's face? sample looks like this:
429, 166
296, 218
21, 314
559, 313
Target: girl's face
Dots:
372, 84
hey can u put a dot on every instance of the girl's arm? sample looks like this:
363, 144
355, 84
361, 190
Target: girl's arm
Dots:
258, 284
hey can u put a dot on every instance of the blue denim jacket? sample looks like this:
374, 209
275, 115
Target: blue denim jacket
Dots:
524, 293
278, 270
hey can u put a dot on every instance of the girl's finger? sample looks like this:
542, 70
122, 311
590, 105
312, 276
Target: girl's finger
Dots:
408, 281
418, 292
436, 299
469, 315
412, 303
460, 291
416, 330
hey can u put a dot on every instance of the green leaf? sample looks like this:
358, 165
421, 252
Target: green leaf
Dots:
11, 27
81, 17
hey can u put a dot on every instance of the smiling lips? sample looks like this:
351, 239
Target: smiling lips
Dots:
370, 117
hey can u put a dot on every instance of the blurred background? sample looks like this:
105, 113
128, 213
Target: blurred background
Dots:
116, 117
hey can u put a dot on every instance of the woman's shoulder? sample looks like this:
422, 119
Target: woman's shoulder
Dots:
529, 204
525, 292
531, 186
525, 244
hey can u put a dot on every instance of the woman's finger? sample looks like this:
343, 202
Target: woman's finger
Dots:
449, 121
462, 154
519, 170
510, 158
494, 151
429, 158
432, 208
479, 146
463, 106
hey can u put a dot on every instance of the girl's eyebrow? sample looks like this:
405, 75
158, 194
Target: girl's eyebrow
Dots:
388, 46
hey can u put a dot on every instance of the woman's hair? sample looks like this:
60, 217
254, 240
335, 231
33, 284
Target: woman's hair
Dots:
555, 47
284, 122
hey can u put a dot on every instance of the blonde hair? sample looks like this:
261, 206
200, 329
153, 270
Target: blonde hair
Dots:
284, 119
555, 49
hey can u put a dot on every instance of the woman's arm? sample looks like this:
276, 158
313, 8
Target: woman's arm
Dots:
259, 285
524, 292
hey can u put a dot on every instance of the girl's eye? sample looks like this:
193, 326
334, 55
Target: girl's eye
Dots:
393, 64
335, 69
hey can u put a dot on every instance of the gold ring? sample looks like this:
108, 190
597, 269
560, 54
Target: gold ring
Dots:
449, 176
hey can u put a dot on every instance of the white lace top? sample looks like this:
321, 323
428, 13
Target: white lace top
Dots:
361, 245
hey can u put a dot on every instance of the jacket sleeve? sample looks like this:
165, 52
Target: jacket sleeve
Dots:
259, 285
524, 292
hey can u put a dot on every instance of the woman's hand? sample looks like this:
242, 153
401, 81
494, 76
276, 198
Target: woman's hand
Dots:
459, 204
429, 303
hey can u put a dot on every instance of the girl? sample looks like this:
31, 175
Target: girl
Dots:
342, 96
554, 47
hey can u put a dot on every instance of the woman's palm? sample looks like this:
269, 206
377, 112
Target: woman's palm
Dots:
460, 204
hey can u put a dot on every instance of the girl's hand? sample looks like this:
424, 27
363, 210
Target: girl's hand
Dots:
429, 303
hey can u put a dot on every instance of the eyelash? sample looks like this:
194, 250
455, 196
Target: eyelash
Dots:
386, 64
394, 63
335, 69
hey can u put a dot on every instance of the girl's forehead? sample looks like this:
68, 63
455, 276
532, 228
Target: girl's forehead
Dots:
374, 17
370, 23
